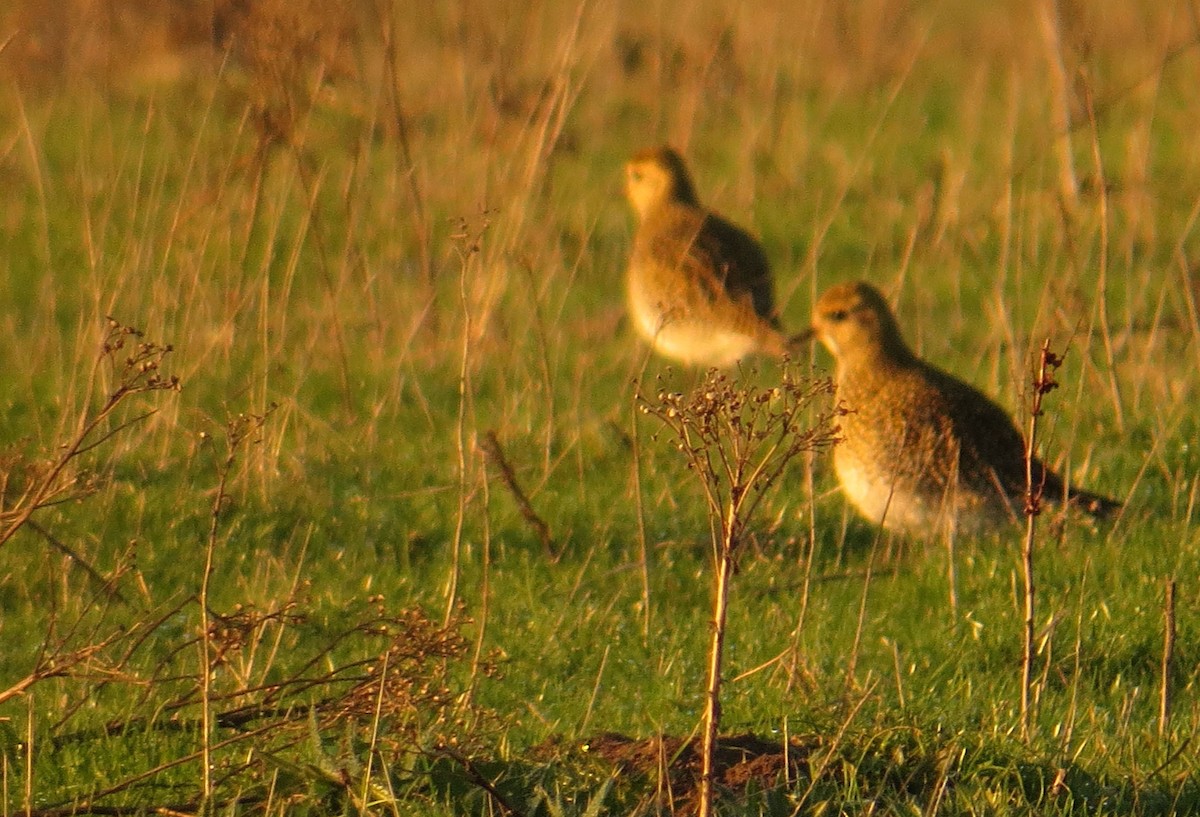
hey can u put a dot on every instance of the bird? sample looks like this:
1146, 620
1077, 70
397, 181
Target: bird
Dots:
698, 287
922, 452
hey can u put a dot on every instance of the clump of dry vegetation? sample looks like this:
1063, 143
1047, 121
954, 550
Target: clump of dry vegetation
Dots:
275, 681
358, 711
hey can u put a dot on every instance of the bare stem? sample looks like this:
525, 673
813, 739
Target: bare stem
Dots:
1027, 632
643, 550
210, 547
238, 430
1168, 660
712, 699
1043, 384
468, 240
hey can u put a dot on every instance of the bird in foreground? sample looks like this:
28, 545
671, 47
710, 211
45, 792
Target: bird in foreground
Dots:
922, 452
699, 287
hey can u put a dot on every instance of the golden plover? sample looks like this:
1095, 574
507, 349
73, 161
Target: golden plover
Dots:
922, 452
699, 287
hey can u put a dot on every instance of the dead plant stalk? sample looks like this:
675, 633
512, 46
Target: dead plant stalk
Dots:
238, 431
1043, 384
737, 440
468, 239
1168, 659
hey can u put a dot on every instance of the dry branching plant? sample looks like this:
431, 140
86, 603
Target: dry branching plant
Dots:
27, 486
240, 430
259, 689
738, 439
90, 645
282, 686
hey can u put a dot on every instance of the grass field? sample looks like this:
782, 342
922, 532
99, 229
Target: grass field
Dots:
299, 580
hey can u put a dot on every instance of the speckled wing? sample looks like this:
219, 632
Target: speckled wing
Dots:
991, 449
713, 260
905, 428
747, 273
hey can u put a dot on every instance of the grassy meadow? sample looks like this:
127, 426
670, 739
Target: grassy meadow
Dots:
301, 301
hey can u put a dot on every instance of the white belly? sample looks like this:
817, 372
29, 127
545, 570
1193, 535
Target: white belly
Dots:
686, 339
894, 506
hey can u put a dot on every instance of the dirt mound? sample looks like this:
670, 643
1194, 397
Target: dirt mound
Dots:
671, 765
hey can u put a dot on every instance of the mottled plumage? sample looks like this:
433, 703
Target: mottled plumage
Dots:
922, 451
699, 288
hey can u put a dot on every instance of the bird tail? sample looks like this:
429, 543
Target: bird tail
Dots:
799, 341
774, 342
781, 344
1095, 505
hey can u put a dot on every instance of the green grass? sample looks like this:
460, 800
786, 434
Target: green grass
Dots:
394, 314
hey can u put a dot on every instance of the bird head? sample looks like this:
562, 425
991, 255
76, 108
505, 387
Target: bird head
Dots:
855, 323
657, 176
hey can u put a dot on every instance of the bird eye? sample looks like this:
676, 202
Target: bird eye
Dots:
837, 315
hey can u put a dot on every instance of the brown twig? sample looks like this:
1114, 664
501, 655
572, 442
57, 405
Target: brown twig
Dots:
479, 779
494, 453
187, 809
104, 584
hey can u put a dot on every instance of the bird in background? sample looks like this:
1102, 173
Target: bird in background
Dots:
923, 452
699, 287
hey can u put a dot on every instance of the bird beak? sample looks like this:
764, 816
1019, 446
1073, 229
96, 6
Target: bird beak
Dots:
804, 336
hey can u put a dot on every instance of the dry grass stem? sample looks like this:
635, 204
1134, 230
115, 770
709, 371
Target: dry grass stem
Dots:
468, 240
494, 453
1068, 186
239, 431
1166, 690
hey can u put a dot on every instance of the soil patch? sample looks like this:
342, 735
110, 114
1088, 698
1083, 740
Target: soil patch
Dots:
671, 765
